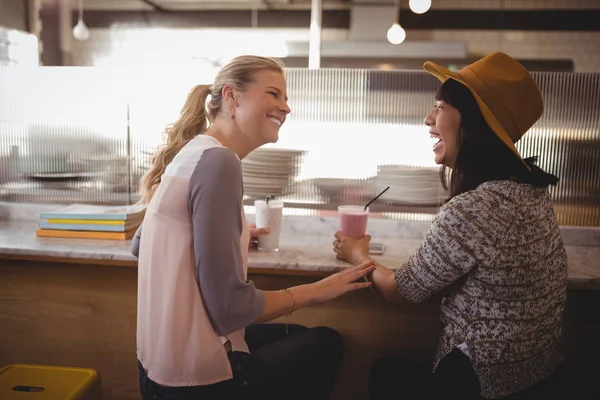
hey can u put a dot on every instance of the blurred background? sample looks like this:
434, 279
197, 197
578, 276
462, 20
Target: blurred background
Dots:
87, 88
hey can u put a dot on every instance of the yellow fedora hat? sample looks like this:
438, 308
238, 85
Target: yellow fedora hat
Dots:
507, 95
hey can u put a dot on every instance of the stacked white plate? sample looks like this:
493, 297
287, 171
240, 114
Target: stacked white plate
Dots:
342, 190
270, 171
410, 185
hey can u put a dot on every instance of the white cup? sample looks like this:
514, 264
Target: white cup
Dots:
268, 215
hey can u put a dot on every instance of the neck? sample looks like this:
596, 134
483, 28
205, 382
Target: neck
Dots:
229, 135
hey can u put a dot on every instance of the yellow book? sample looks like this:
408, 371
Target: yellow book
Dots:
85, 221
85, 234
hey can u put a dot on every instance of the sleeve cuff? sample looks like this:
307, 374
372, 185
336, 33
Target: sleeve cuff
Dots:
409, 287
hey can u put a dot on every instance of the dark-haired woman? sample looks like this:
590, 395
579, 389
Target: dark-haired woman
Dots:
494, 249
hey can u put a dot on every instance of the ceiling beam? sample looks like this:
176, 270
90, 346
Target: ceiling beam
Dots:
214, 19
526, 20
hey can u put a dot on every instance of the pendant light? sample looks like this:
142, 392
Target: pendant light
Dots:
419, 6
396, 34
81, 31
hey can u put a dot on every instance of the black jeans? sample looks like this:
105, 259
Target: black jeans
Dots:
402, 379
302, 365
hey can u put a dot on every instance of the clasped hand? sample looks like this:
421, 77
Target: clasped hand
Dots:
354, 251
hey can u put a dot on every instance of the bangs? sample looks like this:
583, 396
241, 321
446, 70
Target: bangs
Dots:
445, 92
456, 94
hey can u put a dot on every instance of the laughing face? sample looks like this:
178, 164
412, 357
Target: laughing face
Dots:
444, 126
262, 108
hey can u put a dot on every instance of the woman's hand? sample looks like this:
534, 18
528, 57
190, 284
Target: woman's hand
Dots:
254, 233
354, 251
282, 302
340, 283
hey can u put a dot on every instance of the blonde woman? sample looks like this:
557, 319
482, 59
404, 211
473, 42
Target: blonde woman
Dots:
194, 301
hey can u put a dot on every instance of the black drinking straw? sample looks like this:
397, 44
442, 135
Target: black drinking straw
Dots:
376, 197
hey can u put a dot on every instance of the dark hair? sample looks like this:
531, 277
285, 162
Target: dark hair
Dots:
482, 156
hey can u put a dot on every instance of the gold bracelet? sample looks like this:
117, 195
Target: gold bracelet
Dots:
293, 301
291, 310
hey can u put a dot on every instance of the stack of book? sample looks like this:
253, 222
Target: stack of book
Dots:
92, 222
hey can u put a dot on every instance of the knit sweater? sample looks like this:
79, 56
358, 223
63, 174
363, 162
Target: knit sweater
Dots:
499, 251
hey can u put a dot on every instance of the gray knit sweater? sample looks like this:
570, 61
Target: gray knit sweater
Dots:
499, 250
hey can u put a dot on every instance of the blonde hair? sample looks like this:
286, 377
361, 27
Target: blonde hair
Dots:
196, 115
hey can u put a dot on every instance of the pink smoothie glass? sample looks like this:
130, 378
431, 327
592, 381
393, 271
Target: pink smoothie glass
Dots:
353, 220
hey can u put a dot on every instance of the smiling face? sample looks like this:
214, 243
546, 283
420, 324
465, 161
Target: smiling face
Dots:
262, 108
444, 127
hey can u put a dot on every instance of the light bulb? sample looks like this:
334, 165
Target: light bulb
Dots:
419, 6
396, 34
81, 31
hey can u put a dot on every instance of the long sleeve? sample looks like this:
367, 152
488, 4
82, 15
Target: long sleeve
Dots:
459, 239
216, 191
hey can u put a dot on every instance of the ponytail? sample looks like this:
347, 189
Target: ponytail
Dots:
192, 121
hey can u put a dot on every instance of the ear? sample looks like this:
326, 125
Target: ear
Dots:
228, 94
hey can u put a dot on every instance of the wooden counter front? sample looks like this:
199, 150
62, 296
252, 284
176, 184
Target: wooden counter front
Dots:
85, 315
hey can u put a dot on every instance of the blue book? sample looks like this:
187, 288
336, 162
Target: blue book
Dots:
87, 227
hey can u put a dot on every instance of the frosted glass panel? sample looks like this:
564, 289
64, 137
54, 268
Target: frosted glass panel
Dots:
79, 134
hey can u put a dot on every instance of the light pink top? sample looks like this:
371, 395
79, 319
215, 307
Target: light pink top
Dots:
193, 252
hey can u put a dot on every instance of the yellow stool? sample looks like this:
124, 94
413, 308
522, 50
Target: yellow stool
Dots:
44, 382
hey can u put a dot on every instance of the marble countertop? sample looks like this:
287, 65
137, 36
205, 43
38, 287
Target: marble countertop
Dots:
299, 251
